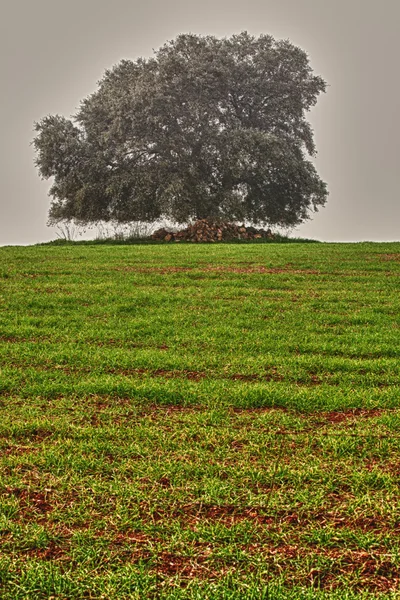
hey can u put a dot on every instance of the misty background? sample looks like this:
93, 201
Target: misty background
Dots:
54, 52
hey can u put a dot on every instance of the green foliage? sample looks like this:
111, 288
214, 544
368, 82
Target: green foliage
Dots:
207, 128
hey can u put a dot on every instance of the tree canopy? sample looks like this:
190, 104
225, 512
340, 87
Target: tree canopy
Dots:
206, 128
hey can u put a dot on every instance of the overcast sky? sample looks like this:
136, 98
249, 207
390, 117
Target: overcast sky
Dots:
53, 52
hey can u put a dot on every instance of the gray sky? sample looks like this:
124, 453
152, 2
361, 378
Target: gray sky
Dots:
53, 52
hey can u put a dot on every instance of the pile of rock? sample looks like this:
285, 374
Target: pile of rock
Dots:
209, 231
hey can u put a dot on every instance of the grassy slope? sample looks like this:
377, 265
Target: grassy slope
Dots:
200, 421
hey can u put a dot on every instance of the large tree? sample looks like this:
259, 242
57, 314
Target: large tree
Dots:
206, 128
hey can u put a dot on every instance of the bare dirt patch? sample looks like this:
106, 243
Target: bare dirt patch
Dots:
157, 270
31, 503
13, 339
248, 269
259, 269
51, 552
36, 434
171, 564
390, 257
226, 514
17, 450
373, 571
322, 568
131, 537
273, 375
167, 374
344, 416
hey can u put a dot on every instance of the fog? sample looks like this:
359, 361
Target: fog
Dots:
53, 53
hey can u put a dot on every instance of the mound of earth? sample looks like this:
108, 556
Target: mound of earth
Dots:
209, 231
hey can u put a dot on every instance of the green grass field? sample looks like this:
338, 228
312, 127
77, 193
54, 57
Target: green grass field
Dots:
200, 421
